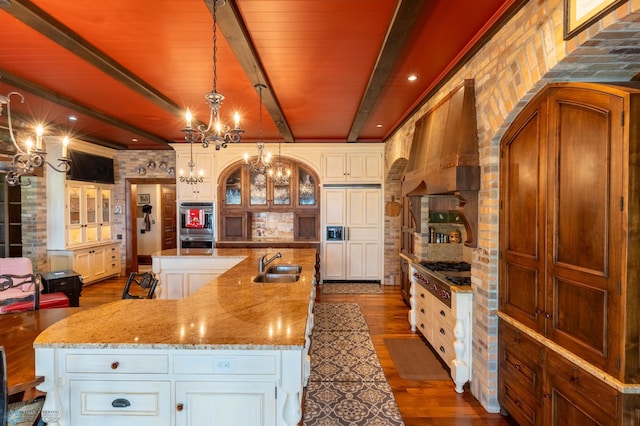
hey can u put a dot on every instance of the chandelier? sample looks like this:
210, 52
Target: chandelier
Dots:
281, 174
191, 179
262, 163
25, 162
215, 132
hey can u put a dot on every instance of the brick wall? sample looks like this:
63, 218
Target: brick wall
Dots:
521, 58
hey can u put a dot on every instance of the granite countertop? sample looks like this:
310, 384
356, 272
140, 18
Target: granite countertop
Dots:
232, 312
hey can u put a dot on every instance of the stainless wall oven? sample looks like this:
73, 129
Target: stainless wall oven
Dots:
196, 222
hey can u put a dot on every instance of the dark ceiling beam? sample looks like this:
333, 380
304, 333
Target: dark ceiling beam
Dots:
230, 22
39, 20
44, 93
401, 26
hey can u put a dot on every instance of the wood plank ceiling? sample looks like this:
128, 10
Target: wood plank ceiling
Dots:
335, 70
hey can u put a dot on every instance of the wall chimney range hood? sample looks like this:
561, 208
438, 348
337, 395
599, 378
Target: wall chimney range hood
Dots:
444, 157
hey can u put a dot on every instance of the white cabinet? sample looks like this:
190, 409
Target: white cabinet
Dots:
87, 213
352, 167
203, 166
179, 277
359, 255
446, 328
172, 387
93, 264
225, 403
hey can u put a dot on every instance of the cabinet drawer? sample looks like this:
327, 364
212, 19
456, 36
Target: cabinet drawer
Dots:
578, 384
443, 314
442, 329
522, 409
443, 347
120, 402
116, 364
232, 364
518, 343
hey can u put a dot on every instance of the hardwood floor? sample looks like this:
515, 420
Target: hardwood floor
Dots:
421, 402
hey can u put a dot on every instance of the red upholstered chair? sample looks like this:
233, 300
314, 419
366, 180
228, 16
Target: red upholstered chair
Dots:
20, 288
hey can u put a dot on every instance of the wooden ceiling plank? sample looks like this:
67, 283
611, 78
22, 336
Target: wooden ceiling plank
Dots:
401, 26
59, 99
230, 22
41, 21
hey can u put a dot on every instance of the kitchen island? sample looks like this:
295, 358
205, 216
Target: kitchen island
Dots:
233, 352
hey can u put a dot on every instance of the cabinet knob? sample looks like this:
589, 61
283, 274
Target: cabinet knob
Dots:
442, 349
442, 331
179, 406
114, 365
547, 315
442, 313
422, 310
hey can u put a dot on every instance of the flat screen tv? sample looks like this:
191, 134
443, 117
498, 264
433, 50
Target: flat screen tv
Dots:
90, 167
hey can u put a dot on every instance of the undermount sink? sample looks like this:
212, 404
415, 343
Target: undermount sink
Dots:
284, 269
276, 278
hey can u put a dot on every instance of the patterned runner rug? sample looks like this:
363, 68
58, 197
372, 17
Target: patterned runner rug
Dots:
347, 385
351, 288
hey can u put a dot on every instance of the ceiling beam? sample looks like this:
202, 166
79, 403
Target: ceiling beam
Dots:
401, 26
41, 21
44, 93
229, 20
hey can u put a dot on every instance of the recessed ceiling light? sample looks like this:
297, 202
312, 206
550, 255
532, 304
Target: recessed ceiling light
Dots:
134, 139
73, 118
378, 125
412, 77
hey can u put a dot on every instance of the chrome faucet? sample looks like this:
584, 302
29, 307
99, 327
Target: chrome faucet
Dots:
262, 263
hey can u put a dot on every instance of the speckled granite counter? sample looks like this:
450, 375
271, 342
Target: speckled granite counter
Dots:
252, 336
231, 311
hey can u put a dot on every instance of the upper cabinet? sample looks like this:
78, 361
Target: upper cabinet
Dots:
352, 167
79, 213
202, 167
88, 213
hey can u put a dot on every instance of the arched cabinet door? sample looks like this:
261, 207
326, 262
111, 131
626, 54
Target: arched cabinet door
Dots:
281, 204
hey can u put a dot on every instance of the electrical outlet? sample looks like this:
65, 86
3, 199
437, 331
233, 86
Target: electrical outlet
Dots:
224, 365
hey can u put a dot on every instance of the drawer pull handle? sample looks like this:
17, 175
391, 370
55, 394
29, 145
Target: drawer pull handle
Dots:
114, 365
574, 380
516, 340
442, 331
421, 325
422, 295
180, 407
442, 349
518, 403
120, 403
517, 366
442, 313
422, 310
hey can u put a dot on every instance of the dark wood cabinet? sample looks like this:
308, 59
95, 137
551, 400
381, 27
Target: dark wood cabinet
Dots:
570, 234
245, 194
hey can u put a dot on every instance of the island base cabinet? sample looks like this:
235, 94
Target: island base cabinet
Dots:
101, 403
225, 403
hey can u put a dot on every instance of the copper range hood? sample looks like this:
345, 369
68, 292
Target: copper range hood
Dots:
444, 157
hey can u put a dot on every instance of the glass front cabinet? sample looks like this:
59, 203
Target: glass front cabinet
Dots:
88, 213
271, 205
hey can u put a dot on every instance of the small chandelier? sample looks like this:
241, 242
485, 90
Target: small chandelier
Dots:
281, 174
262, 163
191, 179
25, 162
216, 132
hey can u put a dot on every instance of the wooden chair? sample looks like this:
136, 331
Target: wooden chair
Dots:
21, 289
144, 286
18, 413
